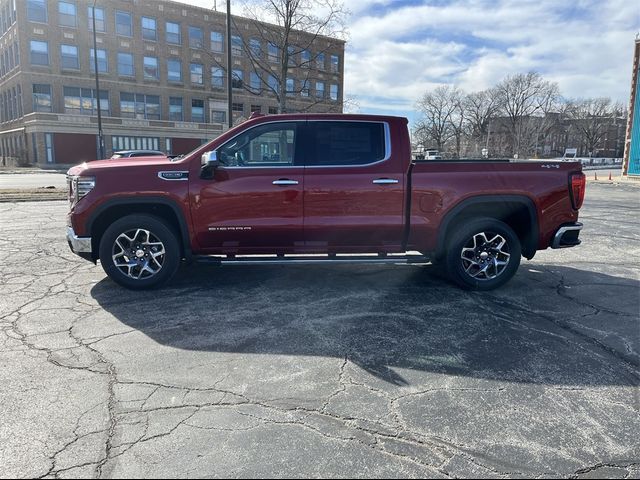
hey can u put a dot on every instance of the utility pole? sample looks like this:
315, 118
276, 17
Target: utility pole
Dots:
95, 64
229, 97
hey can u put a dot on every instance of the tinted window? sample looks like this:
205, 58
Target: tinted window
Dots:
346, 143
265, 145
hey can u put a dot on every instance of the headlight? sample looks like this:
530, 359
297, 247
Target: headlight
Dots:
80, 186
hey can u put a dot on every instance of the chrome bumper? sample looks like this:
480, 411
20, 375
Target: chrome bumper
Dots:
567, 236
78, 244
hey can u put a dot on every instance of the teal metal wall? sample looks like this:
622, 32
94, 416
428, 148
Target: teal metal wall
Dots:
634, 148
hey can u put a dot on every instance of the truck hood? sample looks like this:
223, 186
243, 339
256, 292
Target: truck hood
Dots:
98, 165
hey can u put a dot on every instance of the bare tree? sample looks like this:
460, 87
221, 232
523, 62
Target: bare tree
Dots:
300, 36
525, 99
592, 119
438, 108
480, 107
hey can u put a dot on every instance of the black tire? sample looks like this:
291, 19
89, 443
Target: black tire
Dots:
157, 251
482, 267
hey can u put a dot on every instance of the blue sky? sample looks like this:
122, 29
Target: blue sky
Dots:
398, 49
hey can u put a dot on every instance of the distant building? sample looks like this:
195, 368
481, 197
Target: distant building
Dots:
162, 67
631, 162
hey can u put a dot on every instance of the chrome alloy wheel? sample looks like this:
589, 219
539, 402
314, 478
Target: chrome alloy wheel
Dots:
138, 253
485, 256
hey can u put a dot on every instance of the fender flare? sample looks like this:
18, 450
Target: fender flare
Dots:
528, 248
147, 200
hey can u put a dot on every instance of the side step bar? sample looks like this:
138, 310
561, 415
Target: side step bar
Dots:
310, 259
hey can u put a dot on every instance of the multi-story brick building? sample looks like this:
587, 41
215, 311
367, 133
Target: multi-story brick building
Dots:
162, 72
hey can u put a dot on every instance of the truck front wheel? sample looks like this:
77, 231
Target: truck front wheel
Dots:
483, 254
139, 252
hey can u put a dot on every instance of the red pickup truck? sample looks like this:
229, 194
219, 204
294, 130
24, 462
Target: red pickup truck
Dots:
320, 188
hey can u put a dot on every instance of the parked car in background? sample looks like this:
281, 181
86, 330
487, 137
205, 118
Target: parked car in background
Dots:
136, 153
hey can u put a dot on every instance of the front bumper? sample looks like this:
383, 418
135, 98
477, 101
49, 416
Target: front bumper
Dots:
79, 245
567, 236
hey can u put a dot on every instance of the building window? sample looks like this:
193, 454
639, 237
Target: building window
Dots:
138, 105
149, 29
197, 73
69, 57
217, 77
256, 108
320, 61
173, 33
319, 89
306, 59
39, 53
102, 61
291, 87
236, 46
217, 42
48, 147
255, 47
135, 143
335, 64
100, 23
150, 68
236, 79
256, 84
273, 83
37, 11
304, 91
197, 110
273, 52
237, 108
125, 64
175, 109
291, 54
333, 92
174, 70
82, 101
196, 37
41, 98
67, 14
123, 24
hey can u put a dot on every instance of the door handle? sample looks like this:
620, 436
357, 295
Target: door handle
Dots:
285, 181
385, 181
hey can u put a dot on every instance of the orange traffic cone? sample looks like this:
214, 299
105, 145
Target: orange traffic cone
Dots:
595, 175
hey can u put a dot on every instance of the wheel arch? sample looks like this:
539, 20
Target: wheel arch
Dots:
163, 208
517, 211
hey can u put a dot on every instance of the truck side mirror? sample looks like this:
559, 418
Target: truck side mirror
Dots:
210, 159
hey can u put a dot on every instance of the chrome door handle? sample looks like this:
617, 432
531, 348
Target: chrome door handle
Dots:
385, 181
285, 181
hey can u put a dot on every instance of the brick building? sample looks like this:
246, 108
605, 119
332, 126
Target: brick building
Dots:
162, 71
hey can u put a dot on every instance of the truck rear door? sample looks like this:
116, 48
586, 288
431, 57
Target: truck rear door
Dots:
354, 184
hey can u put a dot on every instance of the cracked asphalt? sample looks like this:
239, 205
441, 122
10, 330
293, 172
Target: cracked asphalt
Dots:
322, 371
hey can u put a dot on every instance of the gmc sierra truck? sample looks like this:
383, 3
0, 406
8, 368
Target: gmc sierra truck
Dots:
318, 188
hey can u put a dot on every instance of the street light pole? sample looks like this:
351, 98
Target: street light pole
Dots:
95, 64
229, 97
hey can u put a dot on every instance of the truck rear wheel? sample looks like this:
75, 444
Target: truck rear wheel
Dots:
139, 252
483, 254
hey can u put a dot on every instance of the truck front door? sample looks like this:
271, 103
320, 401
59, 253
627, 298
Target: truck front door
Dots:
354, 187
253, 203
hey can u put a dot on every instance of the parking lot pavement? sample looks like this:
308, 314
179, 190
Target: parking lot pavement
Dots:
316, 371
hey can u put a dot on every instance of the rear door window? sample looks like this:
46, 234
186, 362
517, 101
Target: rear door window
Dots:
335, 143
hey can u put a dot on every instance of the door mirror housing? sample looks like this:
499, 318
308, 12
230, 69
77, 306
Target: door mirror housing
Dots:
210, 159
